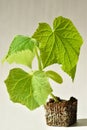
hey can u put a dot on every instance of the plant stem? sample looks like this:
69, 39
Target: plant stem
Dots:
54, 97
39, 60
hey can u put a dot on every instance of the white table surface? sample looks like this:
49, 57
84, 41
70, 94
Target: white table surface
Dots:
80, 125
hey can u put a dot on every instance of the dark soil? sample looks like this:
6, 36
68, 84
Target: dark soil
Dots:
61, 113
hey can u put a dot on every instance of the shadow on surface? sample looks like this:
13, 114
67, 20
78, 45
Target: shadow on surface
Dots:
80, 122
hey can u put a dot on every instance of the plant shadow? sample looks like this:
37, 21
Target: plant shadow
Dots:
80, 122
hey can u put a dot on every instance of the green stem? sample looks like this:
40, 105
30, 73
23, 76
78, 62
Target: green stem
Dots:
54, 97
38, 58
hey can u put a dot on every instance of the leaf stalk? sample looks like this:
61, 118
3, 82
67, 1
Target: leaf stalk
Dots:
39, 60
54, 97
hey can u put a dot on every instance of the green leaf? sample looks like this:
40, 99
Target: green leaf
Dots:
21, 50
30, 90
23, 57
54, 76
59, 45
72, 73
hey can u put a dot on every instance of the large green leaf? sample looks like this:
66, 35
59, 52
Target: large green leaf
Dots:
31, 90
21, 50
59, 45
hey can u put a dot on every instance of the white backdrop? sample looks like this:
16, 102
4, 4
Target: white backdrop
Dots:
22, 17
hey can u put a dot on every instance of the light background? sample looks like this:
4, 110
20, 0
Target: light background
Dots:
22, 17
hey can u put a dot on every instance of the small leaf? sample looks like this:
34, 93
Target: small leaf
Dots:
54, 76
30, 90
21, 50
59, 45
22, 57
